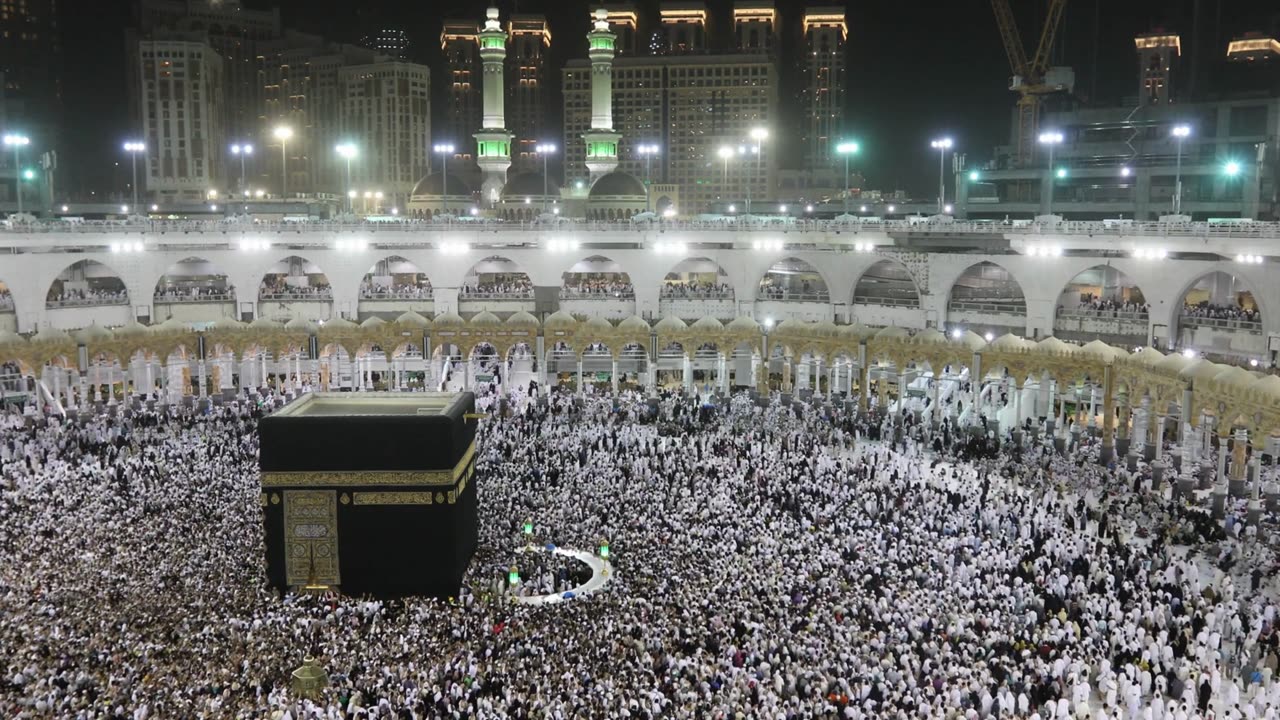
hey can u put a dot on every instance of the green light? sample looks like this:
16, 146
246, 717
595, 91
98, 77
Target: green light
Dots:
28, 174
513, 577
1062, 172
528, 527
848, 148
973, 176
604, 550
1231, 169
493, 41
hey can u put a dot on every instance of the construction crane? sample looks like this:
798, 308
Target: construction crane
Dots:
1029, 76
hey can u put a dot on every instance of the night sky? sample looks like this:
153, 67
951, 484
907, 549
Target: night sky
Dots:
917, 70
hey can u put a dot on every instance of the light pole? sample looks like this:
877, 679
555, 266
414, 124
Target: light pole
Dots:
17, 142
545, 150
942, 145
1052, 139
846, 149
348, 151
242, 151
758, 134
133, 147
1180, 133
648, 151
445, 150
283, 133
725, 152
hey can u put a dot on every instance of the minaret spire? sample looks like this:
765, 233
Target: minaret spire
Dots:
601, 140
493, 142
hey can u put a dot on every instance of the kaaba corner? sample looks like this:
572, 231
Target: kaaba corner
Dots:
370, 494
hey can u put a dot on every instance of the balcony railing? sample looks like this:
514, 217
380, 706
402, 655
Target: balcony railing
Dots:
1122, 315
508, 295
787, 296
192, 299
1252, 326
1243, 230
418, 294
6, 304
987, 307
86, 302
907, 302
323, 296
567, 294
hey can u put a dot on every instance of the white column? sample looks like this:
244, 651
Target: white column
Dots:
687, 379
581, 389
613, 376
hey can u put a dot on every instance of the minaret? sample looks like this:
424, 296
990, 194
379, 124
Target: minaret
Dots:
493, 142
601, 140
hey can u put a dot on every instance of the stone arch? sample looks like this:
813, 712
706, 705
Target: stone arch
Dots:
887, 282
986, 283
596, 276
1102, 302
496, 275
275, 281
85, 279
395, 277
1220, 294
792, 278
697, 278
194, 277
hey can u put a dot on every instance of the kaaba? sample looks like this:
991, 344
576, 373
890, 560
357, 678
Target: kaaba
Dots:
370, 493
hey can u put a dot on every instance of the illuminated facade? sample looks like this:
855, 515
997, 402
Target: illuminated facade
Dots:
825, 34
1253, 47
690, 107
1156, 55
459, 41
386, 113
182, 113
624, 21
684, 27
528, 44
755, 26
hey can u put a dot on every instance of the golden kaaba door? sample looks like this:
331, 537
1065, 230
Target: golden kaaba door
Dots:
311, 537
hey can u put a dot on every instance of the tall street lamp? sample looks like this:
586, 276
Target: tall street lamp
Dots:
445, 150
942, 145
17, 142
242, 151
758, 134
545, 150
133, 147
1180, 133
847, 149
283, 133
347, 151
647, 151
1051, 139
725, 152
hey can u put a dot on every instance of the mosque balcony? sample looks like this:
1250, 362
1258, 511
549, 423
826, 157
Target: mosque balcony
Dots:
689, 309
1114, 327
183, 299
396, 306
496, 303
778, 311
609, 308
98, 301
319, 296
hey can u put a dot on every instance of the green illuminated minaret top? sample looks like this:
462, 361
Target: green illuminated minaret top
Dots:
601, 140
493, 142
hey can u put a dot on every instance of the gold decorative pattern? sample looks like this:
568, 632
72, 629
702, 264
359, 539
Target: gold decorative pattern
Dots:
275, 499
311, 537
392, 498
356, 478
439, 497
264, 499
345, 499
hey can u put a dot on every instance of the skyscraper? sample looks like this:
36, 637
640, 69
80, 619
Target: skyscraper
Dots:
684, 26
624, 21
529, 40
755, 26
459, 41
30, 67
182, 116
386, 113
1156, 54
389, 41
825, 33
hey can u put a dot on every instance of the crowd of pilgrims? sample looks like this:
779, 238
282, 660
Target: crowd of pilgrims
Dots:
87, 296
420, 290
1207, 309
1109, 307
597, 288
517, 285
6, 299
281, 289
679, 290
771, 562
178, 293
